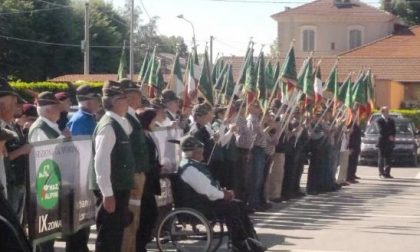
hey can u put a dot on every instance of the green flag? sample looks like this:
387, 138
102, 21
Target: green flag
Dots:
262, 94
217, 69
342, 91
288, 69
269, 77
249, 59
250, 86
308, 80
348, 101
276, 72
221, 76
176, 81
359, 92
205, 85
122, 67
228, 84
302, 73
147, 73
331, 85
143, 67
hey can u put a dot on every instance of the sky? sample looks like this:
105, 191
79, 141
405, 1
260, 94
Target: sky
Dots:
231, 22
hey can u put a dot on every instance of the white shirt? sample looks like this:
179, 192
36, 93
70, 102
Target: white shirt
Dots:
39, 135
201, 184
104, 143
3, 176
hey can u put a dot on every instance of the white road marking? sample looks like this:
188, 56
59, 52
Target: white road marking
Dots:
418, 176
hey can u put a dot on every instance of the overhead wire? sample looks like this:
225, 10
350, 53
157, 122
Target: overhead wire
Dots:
33, 11
61, 44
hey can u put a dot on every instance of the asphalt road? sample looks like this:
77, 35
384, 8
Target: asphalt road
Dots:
373, 215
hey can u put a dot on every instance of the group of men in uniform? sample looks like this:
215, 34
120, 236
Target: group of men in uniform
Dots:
237, 159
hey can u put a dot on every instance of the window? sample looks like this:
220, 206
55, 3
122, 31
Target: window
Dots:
308, 40
332, 46
355, 38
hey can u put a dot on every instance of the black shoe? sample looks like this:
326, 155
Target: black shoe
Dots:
251, 244
277, 200
389, 177
356, 177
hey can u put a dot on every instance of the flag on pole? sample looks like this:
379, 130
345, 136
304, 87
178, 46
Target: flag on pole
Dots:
269, 77
176, 83
261, 88
342, 91
370, 92
250, 86
318, 84
218, 85
205, 85
122, 67
331, 84
217, 70
193, 77
144, 67
308, 84
150, 76
228, 84
348, 100
288, 69
249, 59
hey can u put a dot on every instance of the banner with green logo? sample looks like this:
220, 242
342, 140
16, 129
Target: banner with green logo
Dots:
60, 202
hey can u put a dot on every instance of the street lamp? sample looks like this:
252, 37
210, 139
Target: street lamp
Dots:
192, 26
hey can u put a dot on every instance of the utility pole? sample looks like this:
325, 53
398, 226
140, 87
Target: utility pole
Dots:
211, 52
86, 45
132, 41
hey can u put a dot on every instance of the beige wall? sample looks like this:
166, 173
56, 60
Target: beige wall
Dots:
389, 93
329, 31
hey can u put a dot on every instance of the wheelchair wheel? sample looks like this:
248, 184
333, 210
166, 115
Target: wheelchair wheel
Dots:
182, 230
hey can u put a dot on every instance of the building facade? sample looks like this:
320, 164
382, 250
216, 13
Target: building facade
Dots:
329, 27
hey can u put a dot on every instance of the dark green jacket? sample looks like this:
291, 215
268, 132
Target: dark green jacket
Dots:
122, 159
139, 146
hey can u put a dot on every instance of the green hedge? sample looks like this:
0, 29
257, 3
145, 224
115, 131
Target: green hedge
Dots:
413, 114
38, 87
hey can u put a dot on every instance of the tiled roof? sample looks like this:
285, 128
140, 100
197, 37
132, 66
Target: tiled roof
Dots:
403, 44
395, 57
328, 7
93, 77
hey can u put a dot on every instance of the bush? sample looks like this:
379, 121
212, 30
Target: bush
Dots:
413, 114
25, 88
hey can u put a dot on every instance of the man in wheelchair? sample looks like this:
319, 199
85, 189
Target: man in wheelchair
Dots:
197, 189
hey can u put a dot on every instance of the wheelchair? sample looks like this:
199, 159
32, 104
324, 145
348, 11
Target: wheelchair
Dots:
187, 229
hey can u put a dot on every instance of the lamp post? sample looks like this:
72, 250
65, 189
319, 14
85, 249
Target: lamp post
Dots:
192, 26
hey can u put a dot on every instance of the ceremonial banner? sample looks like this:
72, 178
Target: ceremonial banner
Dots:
169, 153
59, 200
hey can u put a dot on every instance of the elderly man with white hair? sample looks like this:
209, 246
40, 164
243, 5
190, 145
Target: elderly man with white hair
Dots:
196, 188
46, 128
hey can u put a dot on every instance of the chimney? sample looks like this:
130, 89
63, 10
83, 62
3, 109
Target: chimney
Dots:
287, 8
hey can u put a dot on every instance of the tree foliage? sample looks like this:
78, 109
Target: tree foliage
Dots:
109, 27
408, 10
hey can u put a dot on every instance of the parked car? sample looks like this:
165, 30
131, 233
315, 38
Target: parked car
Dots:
376, 115
406, 147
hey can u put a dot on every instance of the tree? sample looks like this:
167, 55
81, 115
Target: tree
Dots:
408, 10
170, 44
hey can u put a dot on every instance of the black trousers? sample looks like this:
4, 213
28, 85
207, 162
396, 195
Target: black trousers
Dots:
148, 217
241, 172
237, 220
385, 159
110, 226
352, 167
78, 241
222, 171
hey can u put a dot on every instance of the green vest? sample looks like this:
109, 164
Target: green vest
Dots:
41, 124
139, 146
122, 159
